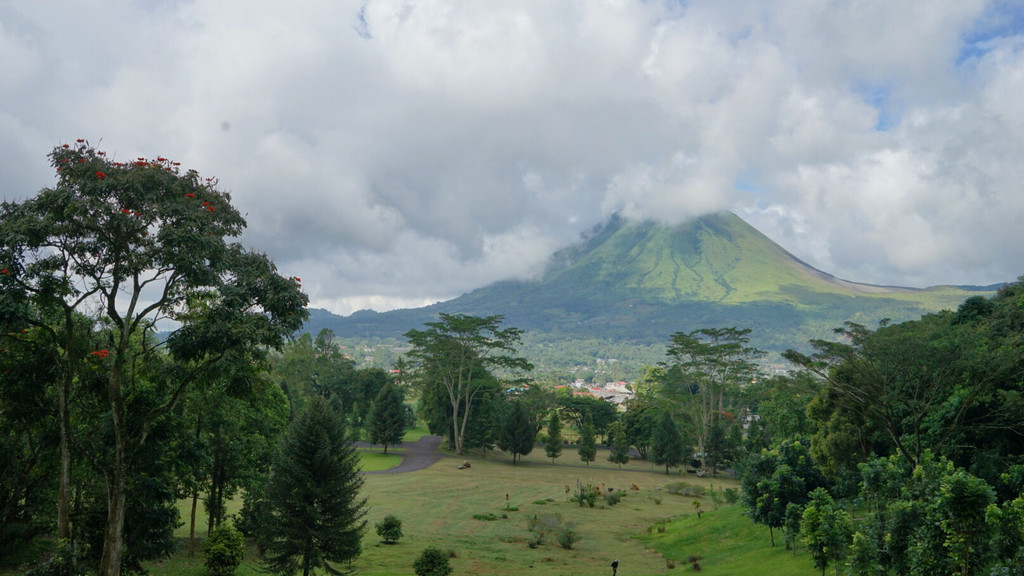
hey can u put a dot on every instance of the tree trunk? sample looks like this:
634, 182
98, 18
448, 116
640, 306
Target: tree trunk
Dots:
64, 419
771, 533
192, 520
113, 537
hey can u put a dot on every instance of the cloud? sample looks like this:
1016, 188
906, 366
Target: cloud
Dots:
397, 152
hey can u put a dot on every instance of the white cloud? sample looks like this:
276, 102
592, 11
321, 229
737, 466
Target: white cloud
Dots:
394, 152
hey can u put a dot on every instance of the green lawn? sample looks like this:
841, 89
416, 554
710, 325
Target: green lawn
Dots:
438, 505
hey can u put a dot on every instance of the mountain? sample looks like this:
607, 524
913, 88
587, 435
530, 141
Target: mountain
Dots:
637, 283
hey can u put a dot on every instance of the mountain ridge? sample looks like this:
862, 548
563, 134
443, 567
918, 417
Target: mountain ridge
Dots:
639, 282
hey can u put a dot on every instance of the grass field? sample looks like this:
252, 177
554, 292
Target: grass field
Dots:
438, 505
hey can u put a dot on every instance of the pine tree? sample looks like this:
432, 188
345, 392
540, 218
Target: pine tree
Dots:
518, 435
553, 447
588, 445
316, 515
620, 444
667, 446
387, 417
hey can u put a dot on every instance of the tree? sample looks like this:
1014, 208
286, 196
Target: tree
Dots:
453, 351
667, 447
316, 515
553, 445
224, 549
587, 448
387, 419
432, 562
772, 479
706, 369
620, 445
639, 422
134, 243
518, 435
390, 529
827, 529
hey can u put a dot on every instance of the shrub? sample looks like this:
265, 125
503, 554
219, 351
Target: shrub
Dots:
567, 537
732, 495
485, 517
62, 563
390, 529
224, 550
432, 562
684, 489
585, 494
612, 498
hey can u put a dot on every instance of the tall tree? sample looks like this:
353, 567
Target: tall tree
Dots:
316, 516
827, 530
587, 448
619, 444
454, 349
705, 371
136, 243
667, 445
387, 420
553, 445
518, 435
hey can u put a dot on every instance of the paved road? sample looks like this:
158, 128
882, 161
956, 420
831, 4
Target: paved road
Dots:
417, 456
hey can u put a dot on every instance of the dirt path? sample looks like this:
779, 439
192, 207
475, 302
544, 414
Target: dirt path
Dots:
417, 456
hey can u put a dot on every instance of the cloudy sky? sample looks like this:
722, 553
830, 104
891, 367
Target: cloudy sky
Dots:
396, 152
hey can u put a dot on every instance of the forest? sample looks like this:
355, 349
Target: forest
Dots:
895, 449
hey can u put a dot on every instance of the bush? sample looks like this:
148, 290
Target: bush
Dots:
389, 529
585, 494
224, 550
612, 498
62, 563
684, 489
732, 495
432, 562
567, 537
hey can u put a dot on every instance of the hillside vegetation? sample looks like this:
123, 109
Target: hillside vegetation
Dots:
624, 289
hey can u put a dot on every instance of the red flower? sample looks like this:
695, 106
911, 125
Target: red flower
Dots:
190, 195
100, 353
4, 271
81, 159
137, 213
161, 159
63, 159
297, 279
101, 153
209, 179
205, 203
140, 158
211, 208
101, 175
175, 163
80, 140
125, 211
66, 146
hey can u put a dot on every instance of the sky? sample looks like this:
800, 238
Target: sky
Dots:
393, 153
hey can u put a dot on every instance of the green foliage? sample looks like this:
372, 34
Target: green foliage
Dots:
387, 419
619, 453
432, 562
827, 530
773, 479
518, 435
668, 448
389, 529
585, 494
315, 512
613, 497
587, 448
224, 550
455, 351
553, 442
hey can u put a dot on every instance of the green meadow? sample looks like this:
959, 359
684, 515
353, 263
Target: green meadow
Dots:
481, 516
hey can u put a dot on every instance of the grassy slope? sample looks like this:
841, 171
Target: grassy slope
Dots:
437, 506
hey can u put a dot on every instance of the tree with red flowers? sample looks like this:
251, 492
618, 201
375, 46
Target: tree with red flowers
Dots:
123, 246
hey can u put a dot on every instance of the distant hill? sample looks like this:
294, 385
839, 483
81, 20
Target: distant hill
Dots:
634, 284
